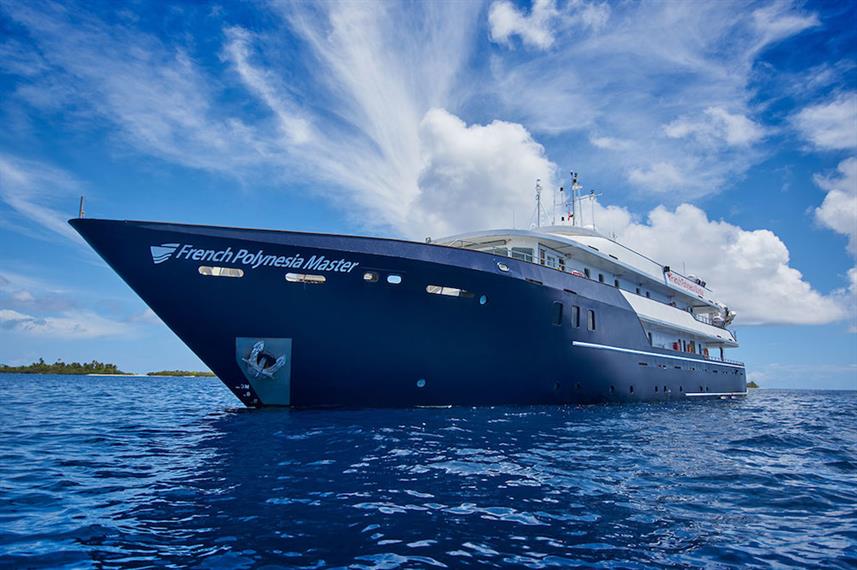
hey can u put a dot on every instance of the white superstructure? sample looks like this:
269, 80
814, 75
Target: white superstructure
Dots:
678, 312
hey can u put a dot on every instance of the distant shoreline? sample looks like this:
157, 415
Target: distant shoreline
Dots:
95, 368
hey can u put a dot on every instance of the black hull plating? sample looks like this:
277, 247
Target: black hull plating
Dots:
359, 343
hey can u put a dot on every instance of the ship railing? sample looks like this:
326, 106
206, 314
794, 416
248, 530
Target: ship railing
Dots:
708, 320
726, 360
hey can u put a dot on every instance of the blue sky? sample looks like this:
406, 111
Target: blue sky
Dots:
722, 137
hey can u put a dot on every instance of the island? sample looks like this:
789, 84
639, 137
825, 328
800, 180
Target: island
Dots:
193, 373
752, 384
60, 367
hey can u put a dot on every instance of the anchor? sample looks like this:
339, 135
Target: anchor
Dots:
262, 364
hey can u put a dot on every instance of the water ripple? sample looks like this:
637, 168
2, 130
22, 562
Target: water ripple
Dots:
107, 472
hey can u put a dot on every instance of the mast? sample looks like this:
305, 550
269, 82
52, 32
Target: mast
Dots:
574, 188
538, 202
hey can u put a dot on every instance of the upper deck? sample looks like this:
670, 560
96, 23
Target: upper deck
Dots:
587, 253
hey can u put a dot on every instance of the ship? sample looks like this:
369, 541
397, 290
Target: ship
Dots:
553, 314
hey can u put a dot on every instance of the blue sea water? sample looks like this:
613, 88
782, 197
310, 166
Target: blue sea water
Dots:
109, 472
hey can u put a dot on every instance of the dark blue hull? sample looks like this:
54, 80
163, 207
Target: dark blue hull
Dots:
353, 342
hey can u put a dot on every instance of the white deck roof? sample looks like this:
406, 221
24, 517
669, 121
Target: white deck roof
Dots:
591, 246
656, 313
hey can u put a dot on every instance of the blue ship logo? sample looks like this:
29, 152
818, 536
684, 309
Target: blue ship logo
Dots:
161, 253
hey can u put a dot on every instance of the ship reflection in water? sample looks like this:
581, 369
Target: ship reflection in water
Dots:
113, 471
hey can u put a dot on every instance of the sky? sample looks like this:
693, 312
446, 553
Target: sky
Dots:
720, 137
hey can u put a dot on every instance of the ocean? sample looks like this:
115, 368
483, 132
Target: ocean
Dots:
149, 472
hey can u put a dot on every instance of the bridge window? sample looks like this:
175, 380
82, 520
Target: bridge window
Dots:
448, 291
590, 314
522, 253
209, 271
305, 278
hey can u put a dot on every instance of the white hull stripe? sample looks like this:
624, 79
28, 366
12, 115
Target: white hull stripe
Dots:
689, 394
655, 354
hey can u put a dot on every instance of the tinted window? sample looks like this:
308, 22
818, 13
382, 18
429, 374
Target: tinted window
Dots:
557, 313
590, 314
575, 316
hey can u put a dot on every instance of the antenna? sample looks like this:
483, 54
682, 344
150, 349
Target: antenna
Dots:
575, 186
591, 197
538, 202
80, 212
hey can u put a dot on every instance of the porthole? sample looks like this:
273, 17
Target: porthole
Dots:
483, 299
448, 291
394, 279
502, 266
681, 388
612, 389
665, 388
656, 388
305, 278
370, 277
631, 388
421, 383
209, 271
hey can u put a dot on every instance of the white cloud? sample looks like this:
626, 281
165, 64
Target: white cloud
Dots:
838, 211
717, 125
68, 325
476, 176
295, 127
535, 30
747, 269
831, 125
609, 143
30, 187
779, 20
658, 177
655, 63
160, 100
